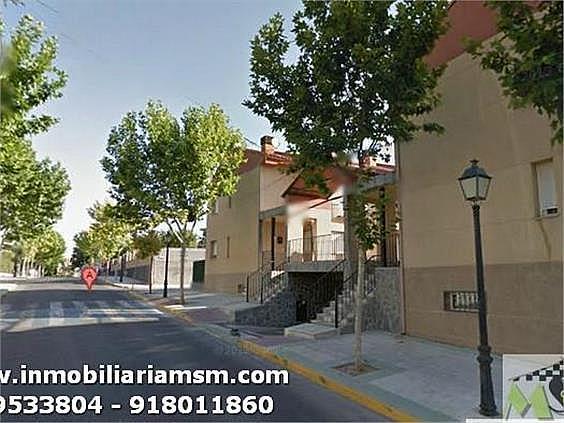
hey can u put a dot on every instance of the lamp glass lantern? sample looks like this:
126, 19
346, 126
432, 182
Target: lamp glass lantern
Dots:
474, 182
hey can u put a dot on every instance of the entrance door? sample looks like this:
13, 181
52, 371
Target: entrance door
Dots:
308, 234
301, 311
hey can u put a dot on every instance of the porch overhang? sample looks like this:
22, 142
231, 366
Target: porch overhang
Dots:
378, 181
276, 211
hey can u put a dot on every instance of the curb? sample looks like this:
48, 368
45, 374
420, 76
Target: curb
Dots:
314, 376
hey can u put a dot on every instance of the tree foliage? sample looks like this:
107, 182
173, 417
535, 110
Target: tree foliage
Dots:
44, 250
527, 56
148, 244
82, 253
164, 170
32, 191
107, 236
29, 75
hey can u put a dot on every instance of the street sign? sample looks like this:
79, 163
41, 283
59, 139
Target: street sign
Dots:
88, 275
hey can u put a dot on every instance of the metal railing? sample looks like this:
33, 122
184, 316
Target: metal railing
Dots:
317, 248
324, 289
263, 283
345, 298
387, 251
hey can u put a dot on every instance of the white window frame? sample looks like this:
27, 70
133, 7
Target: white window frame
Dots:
214, 248
545, 189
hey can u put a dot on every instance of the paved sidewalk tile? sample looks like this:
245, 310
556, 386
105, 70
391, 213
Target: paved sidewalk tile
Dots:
433, 381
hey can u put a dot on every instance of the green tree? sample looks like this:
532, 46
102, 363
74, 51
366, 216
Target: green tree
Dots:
43, 251
357, 82
164, 170
527, 56
32, 192
109, 234
84, 251
80, 253
148, 245
29, 72
50, 251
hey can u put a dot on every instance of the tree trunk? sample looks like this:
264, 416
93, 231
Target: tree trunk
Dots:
359, 297
15, 268
151, 275
182, 256
107, 271
122, 268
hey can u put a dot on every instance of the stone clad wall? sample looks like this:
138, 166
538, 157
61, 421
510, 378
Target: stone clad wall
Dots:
279, 311
382, 308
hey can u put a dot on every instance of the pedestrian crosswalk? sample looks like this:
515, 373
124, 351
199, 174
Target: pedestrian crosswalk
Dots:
74, 313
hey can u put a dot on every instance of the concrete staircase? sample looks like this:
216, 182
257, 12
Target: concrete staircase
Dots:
381, 303
346, 306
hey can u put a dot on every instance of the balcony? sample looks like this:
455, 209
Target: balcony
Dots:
330, 247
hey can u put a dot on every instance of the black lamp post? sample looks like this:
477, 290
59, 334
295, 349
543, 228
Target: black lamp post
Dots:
475, 183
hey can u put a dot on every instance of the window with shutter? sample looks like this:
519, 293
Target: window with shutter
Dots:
546, 188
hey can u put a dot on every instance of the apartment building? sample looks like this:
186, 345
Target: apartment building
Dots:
521, 219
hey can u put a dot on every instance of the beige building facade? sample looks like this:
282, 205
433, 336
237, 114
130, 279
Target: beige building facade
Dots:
521, 219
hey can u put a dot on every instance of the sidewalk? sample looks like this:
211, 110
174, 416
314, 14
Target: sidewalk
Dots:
414, 379
200, 306
426, 380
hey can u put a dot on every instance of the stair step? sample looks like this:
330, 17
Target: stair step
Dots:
311, 331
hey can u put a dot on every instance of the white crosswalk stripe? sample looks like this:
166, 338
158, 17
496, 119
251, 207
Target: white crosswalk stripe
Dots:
74, 313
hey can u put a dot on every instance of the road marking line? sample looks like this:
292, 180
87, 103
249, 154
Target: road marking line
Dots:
56, 312
134, 307
81, 308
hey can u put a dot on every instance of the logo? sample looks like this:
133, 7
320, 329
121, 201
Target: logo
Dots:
88, 275
532, 386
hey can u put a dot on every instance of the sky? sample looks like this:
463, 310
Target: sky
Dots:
120, 53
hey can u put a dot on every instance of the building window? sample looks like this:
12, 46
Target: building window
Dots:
215, 207
337, 210
213, 249
228, 247
546, 189
461, 301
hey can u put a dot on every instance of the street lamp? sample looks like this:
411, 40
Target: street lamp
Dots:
475, 183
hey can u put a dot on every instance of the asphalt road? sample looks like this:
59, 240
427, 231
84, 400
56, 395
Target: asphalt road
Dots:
59, 325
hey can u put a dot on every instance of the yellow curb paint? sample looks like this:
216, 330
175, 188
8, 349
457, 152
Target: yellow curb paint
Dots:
371, 403
343, 390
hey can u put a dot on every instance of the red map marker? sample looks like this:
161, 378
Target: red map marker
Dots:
89, 276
